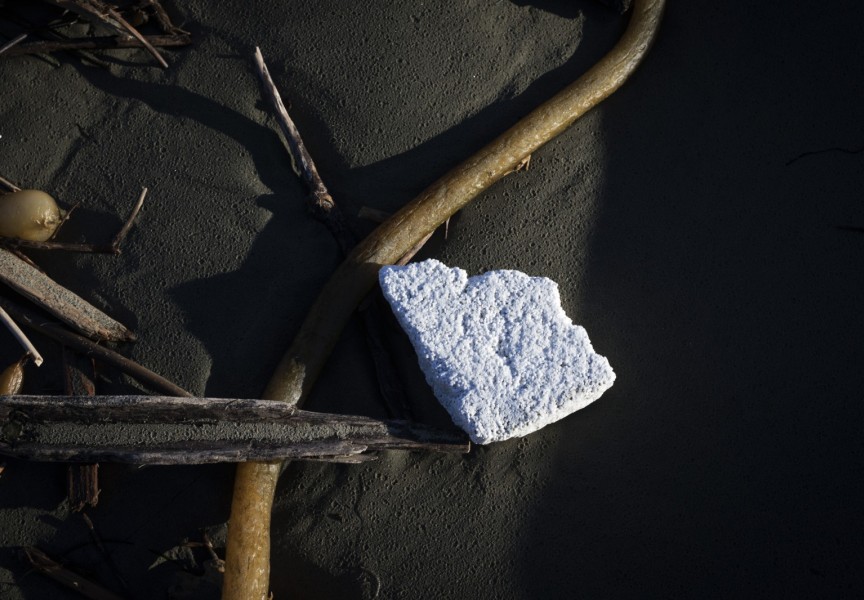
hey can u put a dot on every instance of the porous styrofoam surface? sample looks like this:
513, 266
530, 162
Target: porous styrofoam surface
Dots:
498, 350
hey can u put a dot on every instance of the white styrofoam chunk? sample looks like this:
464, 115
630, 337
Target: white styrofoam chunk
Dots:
498, 350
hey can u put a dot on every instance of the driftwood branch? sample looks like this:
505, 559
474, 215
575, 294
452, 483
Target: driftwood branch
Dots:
96, 43
93, 350
82, 481
21, 338
59, 301
166, 430
12, 43
9, 185
102, 12
50, 567
320, 202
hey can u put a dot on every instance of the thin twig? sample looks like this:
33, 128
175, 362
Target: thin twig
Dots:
137, 35
22, 339
319, 200
162, 17
97, 43
9, 185
90, 348
118, 239
97, 539
106, 14
50, 567
13, 42
324, 208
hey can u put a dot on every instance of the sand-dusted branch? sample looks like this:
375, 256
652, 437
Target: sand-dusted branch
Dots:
167, 430
248, 556
61, 302
89, 348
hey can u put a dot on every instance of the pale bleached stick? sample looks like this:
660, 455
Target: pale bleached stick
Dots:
21, 337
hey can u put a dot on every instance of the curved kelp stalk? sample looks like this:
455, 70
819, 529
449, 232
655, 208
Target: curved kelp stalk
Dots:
248, 550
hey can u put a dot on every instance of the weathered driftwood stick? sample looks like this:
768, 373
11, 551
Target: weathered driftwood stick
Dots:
56, 299
112, 248
166, 430
247, 566
21, 338
302, 162
9, 185
137, 35
101, 12
164, 20
96, 43
12, 43
50, 567
82, 481
93, 350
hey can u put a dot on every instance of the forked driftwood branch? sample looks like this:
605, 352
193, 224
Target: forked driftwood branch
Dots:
167, 430
247, 568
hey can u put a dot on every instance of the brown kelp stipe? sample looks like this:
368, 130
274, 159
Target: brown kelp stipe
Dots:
247, 568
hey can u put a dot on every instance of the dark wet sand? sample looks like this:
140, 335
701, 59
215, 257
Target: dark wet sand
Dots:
705, 261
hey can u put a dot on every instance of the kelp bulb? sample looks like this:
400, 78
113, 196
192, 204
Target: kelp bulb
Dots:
28, 215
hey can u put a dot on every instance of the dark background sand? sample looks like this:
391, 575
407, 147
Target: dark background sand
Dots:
707, 265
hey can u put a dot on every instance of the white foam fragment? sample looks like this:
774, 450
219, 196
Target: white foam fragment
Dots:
498, 350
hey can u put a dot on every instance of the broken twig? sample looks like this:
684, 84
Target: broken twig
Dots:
320, 201
22, 339
82, 481
101, 12
50, 567
9, 185
13, 42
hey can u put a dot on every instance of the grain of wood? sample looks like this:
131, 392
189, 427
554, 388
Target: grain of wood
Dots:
58, 300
